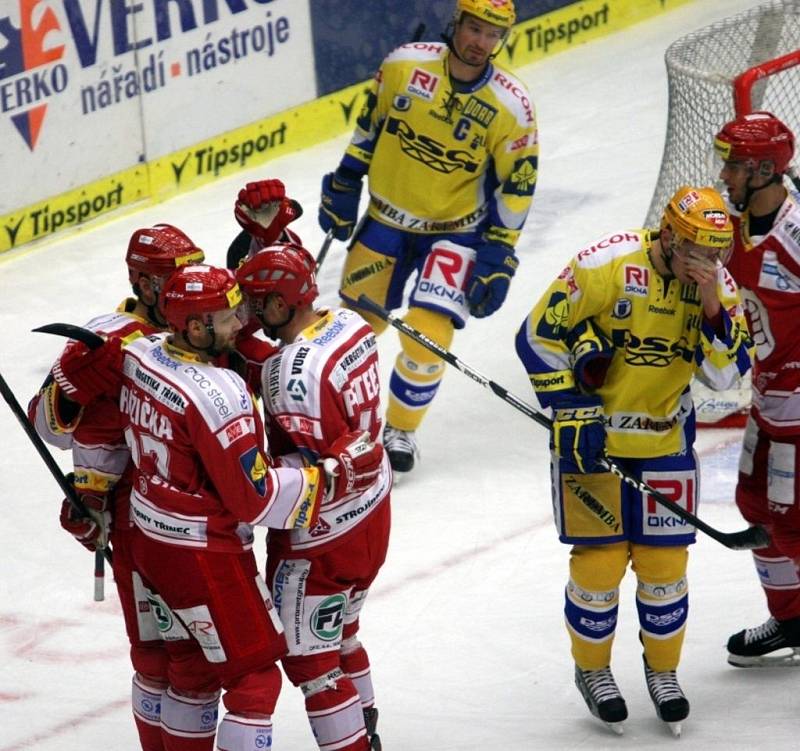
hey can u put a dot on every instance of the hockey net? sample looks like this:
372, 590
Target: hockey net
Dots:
747, 62
744, 63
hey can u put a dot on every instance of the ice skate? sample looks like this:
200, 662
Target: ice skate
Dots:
401, 446
772, 644
371, 721
602, 696
671, 705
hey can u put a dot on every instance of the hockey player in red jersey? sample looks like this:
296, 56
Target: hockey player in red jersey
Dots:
100, 458
756, 151
322, 382
192, 430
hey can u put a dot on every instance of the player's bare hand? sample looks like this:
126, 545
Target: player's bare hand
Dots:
702, 269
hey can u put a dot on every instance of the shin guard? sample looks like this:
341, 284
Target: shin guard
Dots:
335, 714
187, 723
355, 664
238, 733
146, 704
662, 600
417, 372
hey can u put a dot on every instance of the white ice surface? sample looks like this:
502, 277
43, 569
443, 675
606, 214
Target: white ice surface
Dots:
464, 625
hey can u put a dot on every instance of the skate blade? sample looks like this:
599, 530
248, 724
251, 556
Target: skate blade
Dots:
615, 727
675, 728
784, 660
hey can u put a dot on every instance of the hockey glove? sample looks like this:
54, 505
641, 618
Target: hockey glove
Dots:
263, 210
352, 464
592, 352
85, 374
90, 531
338, 209
579, 435
495, 264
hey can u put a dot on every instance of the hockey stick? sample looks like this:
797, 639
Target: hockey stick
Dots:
747, 539
323, 251
92, 341
55, 470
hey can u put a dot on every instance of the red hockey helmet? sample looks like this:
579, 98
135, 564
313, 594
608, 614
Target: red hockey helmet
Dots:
159, 250
754, 139
198, 292
284, 268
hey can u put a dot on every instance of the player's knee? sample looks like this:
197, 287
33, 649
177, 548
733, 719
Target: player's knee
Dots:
150, 661
350, 644
598, 568
253, 693
189, 672
301, 669
435, 325
660, 564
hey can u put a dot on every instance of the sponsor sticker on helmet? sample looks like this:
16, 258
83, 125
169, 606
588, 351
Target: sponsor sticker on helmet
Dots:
716, 217
689, 200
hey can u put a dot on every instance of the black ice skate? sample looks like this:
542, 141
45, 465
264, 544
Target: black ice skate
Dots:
772, 644
401, 446
371, 721
671, 705
602, 696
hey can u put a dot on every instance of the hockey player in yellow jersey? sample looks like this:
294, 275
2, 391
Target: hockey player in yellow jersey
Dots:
448, 141
611, 347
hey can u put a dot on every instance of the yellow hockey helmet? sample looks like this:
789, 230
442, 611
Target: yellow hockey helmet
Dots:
699, 215
498, 12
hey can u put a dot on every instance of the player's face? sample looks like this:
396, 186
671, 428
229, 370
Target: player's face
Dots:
695, 263
226, 326
475, 40
737, 176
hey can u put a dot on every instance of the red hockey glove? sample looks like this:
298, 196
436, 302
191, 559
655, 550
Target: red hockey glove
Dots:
263, 210
352, 463
90, 531
85, 374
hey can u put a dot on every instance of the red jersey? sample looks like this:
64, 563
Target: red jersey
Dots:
100, 455
202, 476
320, 386
767, 269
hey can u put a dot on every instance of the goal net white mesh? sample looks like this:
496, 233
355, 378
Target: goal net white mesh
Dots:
702, 69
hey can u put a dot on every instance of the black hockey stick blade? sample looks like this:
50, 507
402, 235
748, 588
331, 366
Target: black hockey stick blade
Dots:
747, 539
68, 330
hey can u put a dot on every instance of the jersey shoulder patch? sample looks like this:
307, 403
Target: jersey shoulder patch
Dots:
513, 95
610, 248
415, 52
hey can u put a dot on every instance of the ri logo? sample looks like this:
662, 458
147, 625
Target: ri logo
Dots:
30, 67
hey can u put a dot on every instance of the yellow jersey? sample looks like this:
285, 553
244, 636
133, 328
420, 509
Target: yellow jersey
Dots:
445, 157
660, 339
